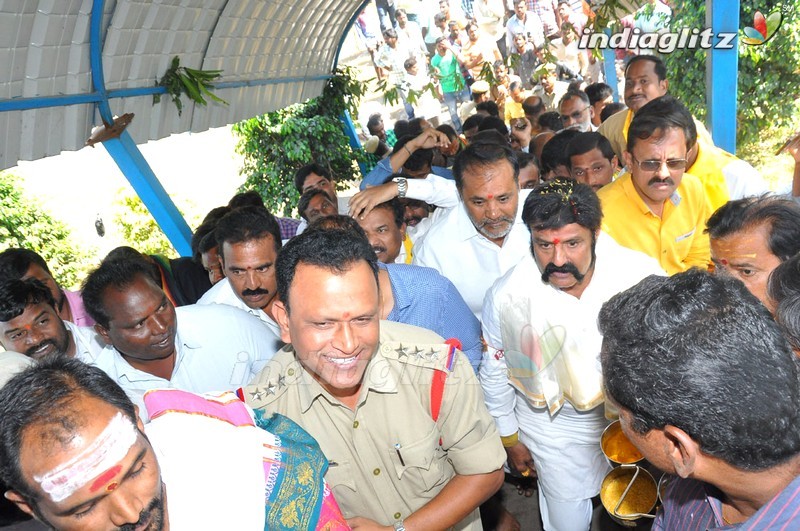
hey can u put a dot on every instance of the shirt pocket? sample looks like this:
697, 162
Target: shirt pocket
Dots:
419, 464
341, 478
683, 242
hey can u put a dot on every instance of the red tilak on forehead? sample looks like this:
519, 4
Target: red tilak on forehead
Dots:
556, 241
723, 262
490, 196
103, 478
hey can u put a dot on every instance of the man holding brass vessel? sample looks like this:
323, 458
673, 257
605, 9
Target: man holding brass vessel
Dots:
541, 372
707, 389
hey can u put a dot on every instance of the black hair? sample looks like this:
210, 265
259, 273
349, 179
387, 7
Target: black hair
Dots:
560, 202
658, 65
373, 121
657, 116
301, 175
701, 353
585, 142
249, 198
395, 208
389, 33
780, 215
494, 122
15, 262
115, 272
415, 126
408, 63
245, 224
401, 128
597, 92
334, 249
419, 159
574, 94
551, 120
208, 242
554, 152
200, 234
215, 213
17, 294
481, 154
610, 110
44, 395
448, 129
784, 290
305, 200
527, 159
489, 107
472, 121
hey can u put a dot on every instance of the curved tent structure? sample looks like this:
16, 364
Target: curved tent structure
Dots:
71, 62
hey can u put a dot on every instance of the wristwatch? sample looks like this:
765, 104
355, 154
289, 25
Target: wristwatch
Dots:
402, 188
398, 526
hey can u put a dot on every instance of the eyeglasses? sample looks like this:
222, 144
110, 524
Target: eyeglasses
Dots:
655, 165
575, 116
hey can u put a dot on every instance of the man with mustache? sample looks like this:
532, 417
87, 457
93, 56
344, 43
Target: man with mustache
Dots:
151, 344
76, 457
249, 239
30, 325
483, 236
540, 373
656, 208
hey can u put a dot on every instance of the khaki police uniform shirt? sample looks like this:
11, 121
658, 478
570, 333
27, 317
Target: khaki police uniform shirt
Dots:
385, 460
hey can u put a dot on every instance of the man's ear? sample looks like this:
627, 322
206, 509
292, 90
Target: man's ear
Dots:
627, 157
615, 162
103, 333
20, 502
282, 318
683, 451
403, 228
139, 423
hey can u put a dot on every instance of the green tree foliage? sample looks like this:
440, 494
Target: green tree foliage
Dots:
23, 223
138, 228
275, 145
769, 75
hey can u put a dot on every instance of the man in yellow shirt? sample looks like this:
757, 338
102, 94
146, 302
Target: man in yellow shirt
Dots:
656, 208
645, 80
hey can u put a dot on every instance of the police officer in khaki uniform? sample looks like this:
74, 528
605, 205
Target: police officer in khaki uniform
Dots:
404, 451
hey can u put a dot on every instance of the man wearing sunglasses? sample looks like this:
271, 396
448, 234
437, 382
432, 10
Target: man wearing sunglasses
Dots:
656, 208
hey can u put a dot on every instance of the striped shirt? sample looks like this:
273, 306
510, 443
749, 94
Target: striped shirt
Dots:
691, 505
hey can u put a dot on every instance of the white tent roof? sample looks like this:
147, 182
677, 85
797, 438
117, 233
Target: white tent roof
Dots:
272, 53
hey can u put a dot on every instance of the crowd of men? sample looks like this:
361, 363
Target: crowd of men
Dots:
490, 299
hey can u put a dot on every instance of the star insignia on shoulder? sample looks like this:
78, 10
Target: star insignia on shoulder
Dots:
256, 394
418, 352
401, 351
270, 389
432, 355
281, 381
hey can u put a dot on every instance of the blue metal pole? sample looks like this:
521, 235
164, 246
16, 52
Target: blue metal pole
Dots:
722, 74
352, 135
610, 68
128, 157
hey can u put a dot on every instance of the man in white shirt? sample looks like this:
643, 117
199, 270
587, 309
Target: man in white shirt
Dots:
249, 239
541, 373
526, 23
151, 344
483, 236
30, 325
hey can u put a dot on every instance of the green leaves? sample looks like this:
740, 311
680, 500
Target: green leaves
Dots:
196, 84
23, 223
275, 145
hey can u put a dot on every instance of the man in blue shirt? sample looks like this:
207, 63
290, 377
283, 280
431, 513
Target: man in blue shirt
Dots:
707, 389
412, 156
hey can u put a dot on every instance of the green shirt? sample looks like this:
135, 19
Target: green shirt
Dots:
449, 72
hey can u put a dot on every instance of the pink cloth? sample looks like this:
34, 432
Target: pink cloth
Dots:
79, 315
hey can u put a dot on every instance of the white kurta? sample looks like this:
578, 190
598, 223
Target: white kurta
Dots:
454, 247
552, 398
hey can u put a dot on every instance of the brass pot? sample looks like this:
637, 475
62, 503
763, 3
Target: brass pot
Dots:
629, 495
617, 448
